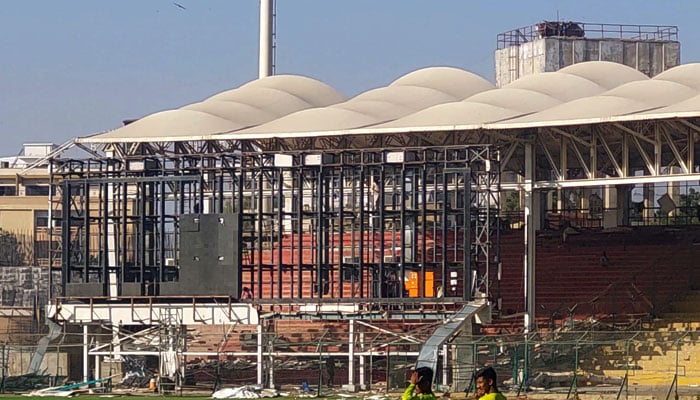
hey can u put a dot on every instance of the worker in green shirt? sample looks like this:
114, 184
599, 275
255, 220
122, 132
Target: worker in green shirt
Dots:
486, 385
420, 385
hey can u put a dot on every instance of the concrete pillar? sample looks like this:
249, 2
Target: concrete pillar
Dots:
86, 359
549, 200
97, 367
674, 189
271, 364
351, 352
363, 383
622, 204
116, 344
649, 201
445, 366
260, 353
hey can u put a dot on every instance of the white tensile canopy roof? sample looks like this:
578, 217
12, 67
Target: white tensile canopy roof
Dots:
252, 104
429, 99
407, 95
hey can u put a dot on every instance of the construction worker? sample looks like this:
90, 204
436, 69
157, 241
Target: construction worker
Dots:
486, 385
420, 385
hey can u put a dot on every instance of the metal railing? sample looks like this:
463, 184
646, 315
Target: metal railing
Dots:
587, 30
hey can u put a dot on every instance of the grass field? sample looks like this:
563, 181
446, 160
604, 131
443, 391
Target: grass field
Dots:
96, 396
125, 396
129, 396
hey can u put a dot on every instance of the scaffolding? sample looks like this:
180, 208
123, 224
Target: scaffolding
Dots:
171, 346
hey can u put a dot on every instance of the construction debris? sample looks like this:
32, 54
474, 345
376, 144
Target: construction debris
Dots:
244, 392
24, 383
68, 390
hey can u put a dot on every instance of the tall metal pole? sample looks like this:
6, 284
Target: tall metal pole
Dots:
529, 232
265, 58
531, 214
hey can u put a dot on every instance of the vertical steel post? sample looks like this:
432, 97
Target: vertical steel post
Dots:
260, 352
529, 237
467, 237
351, 352
86, 360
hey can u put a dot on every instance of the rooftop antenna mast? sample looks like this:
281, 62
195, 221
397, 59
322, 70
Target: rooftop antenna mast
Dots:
266, 55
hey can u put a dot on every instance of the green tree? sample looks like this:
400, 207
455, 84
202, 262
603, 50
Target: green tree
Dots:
688, 209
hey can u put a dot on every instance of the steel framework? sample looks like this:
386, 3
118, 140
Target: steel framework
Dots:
334, 225
143, 188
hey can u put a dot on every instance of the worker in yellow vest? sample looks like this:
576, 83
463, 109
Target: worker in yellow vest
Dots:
486, 385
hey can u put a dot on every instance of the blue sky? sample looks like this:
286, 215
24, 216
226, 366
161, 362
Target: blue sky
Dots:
76, 67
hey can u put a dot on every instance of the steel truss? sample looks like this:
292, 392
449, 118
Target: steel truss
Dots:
334, 225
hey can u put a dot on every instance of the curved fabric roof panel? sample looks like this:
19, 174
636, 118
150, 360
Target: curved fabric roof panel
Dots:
686, 74
243, 114
275, 101
656, 93
580, 111
490, 106
410, 93
413, 97
629, 98
453, 81
687, 108
430, 99
450, 115
529, 94
520, 100
378, 109
563, 87
301, 122
171, 125
604, 73
313, 92
254, 103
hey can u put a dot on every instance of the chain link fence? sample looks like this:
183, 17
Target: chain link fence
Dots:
615, 364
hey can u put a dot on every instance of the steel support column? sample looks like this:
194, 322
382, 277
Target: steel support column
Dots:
86, 359
529, 236
260, 353
351, 352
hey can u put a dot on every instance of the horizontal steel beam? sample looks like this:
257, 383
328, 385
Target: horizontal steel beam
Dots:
632, 180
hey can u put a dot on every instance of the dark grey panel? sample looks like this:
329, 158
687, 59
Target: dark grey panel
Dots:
131, 289
208, 259
85, 289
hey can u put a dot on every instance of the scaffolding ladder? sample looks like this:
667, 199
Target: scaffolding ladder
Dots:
171, 346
